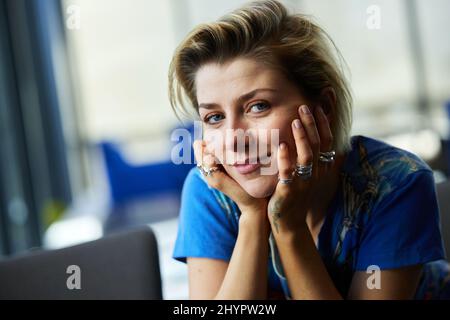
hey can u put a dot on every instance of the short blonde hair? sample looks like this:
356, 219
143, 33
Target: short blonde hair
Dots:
264, 30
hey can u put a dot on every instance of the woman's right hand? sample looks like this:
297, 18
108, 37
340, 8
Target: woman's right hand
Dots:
221, 181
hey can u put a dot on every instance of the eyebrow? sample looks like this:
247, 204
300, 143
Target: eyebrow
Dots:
241, 99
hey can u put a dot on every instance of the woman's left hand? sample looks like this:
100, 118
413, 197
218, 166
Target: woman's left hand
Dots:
291, 201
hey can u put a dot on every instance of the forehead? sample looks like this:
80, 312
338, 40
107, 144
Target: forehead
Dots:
217, 81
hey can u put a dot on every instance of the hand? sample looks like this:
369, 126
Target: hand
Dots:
290, 203
221, 181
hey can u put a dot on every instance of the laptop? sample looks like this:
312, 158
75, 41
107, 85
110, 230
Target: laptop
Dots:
119, 266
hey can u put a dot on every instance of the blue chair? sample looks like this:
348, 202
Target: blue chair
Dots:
129, 182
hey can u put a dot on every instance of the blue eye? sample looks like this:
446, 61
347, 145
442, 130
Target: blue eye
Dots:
214, 118
259, 107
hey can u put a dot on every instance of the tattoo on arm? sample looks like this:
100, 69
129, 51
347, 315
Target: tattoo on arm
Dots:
275, 213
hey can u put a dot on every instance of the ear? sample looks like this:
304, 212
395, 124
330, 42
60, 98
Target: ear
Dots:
327, 101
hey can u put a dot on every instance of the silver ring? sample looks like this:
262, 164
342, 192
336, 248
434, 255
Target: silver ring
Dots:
285, 181
303, 171
327, 157
206, 172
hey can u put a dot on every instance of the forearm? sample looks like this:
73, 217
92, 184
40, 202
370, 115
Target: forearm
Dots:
307, 277
246, 276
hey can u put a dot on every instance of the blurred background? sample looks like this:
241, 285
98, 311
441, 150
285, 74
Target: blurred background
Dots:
85, 121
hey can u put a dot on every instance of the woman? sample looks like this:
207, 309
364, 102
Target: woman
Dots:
340, 217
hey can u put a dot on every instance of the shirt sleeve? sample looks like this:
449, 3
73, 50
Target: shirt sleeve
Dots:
206, 226
404, 229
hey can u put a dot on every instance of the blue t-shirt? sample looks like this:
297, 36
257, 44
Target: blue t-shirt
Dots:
384, 213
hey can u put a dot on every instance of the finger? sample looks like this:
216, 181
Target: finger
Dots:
304, 151
309, 125
202, 155
198, 151
323, 126
219, 179
284, 164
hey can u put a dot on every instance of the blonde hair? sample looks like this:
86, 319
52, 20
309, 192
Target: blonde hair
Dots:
265, 31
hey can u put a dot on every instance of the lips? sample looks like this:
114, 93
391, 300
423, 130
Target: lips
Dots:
247, 168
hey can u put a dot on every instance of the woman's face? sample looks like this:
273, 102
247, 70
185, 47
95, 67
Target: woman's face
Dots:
245, 94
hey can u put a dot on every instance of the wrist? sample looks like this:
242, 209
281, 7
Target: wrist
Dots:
256, 223
290, 232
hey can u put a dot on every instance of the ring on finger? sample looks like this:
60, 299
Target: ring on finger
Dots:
327, 157
285, 181
303, 171
206, 172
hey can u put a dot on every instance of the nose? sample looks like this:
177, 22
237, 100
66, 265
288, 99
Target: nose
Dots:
238, 136
233, 128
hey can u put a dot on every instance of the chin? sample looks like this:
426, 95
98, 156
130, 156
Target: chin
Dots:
261, 187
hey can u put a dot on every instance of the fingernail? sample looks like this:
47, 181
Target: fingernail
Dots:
297, 123
305, 110
282, 146
319, 108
